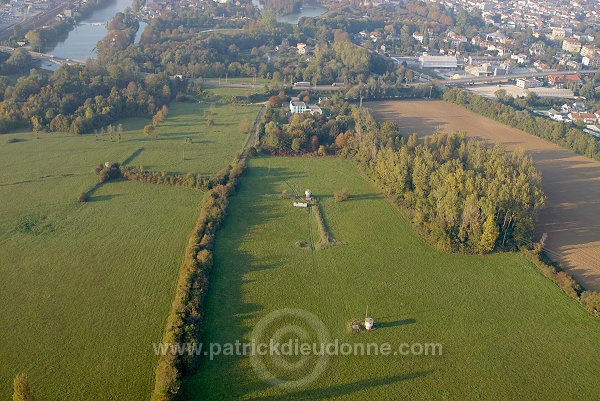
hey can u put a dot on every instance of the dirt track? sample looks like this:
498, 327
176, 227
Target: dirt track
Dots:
571, 182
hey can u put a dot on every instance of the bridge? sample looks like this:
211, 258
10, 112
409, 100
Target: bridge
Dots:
43, 56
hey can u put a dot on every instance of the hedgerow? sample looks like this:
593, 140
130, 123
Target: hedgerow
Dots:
185, 317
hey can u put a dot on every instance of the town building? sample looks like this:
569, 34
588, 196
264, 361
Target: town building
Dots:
560, 81
297, 106
586, 118
301, 48
571, 45
591, 61
529, 83
589, 50
438, 61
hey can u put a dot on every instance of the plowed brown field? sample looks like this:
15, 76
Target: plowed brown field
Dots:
571, 182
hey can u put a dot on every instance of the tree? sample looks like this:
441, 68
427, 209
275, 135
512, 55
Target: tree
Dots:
272, 135
22, 389
148, 130
490, 235
341, 195
296, 144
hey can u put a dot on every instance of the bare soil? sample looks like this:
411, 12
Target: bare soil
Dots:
571, 217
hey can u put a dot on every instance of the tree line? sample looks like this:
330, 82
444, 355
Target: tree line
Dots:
185, 317
560, 133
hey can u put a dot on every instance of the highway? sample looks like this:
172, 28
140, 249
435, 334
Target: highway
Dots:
508, 77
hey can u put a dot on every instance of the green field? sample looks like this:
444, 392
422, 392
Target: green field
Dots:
508, 333
212, 147
86, 288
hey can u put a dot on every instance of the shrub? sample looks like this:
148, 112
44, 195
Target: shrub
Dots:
22, 389
591, 301
341, 195
568, 284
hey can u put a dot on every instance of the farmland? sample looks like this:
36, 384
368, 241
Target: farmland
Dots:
87, 286
497, 312
571, 182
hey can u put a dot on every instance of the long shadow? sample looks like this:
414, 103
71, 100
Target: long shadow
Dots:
101, 198
132, 156
343, 389
394, 323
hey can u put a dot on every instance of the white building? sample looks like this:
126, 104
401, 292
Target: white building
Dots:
296, 106
590, 61
299, 107
529, 83
438, 61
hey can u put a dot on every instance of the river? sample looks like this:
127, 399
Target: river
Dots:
80, 43
308, 10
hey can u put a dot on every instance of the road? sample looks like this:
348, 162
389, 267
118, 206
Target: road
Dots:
43, 56
502, 78
253, 137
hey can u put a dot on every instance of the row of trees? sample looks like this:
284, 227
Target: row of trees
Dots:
560, 133
465, 196
158, 118
189, 180
185, 317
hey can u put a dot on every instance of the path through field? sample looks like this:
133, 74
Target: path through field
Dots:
571, 182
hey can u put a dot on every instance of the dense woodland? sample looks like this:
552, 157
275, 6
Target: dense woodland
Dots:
465, 196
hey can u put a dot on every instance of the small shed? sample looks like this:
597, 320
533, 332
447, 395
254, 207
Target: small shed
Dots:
308, 194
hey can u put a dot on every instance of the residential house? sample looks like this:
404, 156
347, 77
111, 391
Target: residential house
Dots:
301, 48
571, 45
586, 118
591, 61
296, 106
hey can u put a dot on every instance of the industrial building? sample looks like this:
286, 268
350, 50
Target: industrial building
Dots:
438, 61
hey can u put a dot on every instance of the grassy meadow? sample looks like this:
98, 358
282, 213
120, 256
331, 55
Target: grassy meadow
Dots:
86, 288
507, 332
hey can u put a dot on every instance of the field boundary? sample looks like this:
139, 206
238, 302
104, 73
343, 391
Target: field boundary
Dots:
324, 231
184, 320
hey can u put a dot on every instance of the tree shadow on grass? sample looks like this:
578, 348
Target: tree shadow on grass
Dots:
101, 198
132, 156
343, 389
394, 323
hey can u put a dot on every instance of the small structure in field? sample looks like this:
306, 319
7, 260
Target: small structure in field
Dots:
369, 321
308, 194
300, 204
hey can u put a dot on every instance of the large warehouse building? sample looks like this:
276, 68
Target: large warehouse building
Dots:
438, 61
